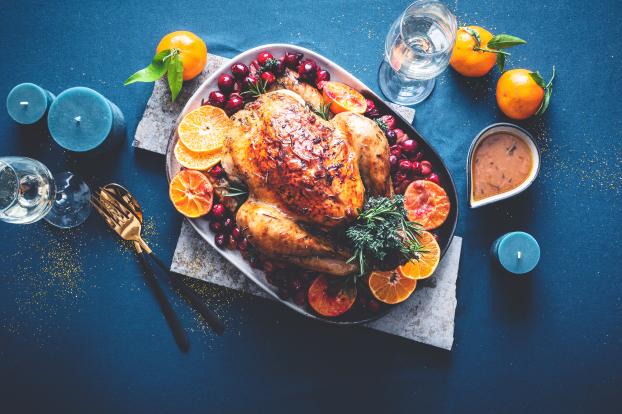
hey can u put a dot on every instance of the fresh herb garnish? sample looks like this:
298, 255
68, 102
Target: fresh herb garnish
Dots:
235, 191
255, 90
323, 111
167, 61
269, 65
383, 229
381, 124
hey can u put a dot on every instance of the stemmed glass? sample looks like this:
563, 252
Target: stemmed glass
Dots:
417, 50
29, 192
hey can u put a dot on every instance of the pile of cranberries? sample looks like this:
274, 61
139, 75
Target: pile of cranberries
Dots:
231, 95
407, 162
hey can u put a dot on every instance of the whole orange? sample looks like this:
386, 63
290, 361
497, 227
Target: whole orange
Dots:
469, 62
192, 51
518, 95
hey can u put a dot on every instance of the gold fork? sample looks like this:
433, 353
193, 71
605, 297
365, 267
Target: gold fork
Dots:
128, 227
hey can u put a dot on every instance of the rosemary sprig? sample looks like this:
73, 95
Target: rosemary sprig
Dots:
383, 229
235, 191
255, 90
269, 65
323, 111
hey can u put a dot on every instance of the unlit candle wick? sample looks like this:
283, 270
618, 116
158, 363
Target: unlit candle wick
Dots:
24, 103
518, 255
78, 119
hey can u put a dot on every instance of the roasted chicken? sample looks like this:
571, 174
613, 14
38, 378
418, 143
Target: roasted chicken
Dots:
307, 177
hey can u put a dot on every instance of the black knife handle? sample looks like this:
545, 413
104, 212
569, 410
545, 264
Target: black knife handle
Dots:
165, 306
193, 297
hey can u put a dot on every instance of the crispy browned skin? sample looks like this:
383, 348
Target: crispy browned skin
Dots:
303, 172
290, 81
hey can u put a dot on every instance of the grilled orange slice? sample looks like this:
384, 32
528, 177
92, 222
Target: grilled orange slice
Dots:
389, 286
330, 300
196, 160
343, 98
191, 193
426, 203
204, 129
426, 262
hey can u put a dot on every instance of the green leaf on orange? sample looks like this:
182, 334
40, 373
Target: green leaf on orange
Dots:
153, 72
175, 71
548, 91
504, 41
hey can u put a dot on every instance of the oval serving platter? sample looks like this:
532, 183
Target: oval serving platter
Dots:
445, 232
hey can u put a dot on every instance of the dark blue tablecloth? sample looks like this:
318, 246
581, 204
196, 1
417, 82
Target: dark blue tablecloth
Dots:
81, 332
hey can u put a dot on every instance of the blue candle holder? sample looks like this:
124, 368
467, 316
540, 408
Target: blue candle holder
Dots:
82, 120
27, 103
517, 252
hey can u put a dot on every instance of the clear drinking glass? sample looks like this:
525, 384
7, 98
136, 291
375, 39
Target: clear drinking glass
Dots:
29, 192
417, 50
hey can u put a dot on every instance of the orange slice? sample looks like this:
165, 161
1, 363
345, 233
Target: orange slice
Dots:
191, 193
196, 160
343, 98
330, 300
426, 203
390, 286
426, 262
204, 129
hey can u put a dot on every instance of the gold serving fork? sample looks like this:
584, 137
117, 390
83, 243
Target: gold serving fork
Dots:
122, 219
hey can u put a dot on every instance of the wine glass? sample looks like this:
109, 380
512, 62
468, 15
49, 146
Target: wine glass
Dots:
417, 50
29, 192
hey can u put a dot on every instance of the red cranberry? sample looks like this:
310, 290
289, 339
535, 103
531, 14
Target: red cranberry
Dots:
400, 177
402, 139
292, 60
393, 162
391, 136
236, 233
415, 167
268, 77
389, 121
253, 68
405, 166
215, 226
218, 211
418, 156
401, 187
399, 132
243, 245
231, 242
216, 171
228, 224
220, 240
250, 80
409, 146
234, 103
426, 167
322, 76
225, 82
279, 68
217, 98
396, 150
371, 105
239, 70
237, 87
373, 305
373, 113
307, 69
263, 57
434, 178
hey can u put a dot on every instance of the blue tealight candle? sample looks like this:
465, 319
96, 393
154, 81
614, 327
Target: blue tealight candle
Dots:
517, 252
82, 120
27, 103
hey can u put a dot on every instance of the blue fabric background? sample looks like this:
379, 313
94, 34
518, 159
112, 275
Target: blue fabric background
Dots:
94, 340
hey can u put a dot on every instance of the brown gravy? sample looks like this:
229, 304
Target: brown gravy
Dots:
501, 162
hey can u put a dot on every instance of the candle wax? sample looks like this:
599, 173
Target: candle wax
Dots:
518, 252
81, 119
27, 103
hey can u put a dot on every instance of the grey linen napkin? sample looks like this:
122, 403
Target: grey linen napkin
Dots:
427, 316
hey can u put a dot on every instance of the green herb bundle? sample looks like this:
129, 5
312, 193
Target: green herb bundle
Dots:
383, 229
